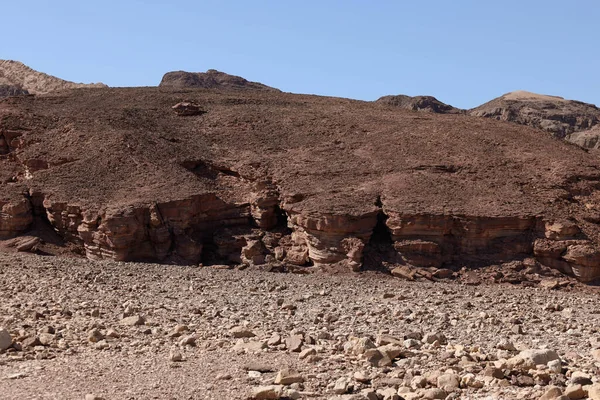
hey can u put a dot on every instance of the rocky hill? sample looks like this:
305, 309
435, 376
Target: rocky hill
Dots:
261, 177
550, 113
419, 103
18, 75
210, 79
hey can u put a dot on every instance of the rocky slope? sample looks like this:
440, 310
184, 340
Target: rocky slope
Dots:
291, 181
17, 74
211, 79
419, 103
550, 113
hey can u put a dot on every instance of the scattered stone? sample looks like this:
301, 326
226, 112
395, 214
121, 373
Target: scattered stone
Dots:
175, 356
294, 343
551, 393
241, 332
288, 376
575, 392
307, 352
266, 392
134, 320
5, 339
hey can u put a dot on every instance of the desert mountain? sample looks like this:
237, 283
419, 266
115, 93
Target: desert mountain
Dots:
210, 79
263, 177
551, 113
419, 103
20, 77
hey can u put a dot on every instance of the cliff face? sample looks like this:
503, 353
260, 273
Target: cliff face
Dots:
18, 75
211, 79
551, 113
262, 177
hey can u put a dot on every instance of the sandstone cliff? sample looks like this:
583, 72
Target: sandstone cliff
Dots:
263, 177
210, 79
550, 113
419, 103
17, 74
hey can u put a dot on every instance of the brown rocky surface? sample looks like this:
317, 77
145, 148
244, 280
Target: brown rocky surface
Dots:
74, 329
19, 75
554, 114
419, 103
589, 139
291, 181
211, 79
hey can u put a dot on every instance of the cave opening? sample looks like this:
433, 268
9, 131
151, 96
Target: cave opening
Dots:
379, 251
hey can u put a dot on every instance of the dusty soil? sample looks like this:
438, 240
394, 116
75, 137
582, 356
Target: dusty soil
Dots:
76, 308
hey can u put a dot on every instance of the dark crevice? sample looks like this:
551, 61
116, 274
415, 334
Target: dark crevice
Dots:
379, 251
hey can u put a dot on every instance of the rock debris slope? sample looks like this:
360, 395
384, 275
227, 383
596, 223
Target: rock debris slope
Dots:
263, 177
550, 113
19, 75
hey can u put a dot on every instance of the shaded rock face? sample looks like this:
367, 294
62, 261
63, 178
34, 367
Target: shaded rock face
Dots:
293, 180
19, 75
551, 113
419, 103
11, 90
589, 139
211, 79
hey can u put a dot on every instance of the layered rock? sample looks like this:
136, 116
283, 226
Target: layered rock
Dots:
16, 217
291, 180
550, 113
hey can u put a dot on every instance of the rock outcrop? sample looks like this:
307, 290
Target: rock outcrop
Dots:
588, 139
419, 103
293, 181
19, 75
11, 90
551, 113
211, 79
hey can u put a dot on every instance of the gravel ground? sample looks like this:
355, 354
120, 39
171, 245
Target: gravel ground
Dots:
77, 329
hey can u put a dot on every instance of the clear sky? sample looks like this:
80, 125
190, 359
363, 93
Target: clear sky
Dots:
465, 52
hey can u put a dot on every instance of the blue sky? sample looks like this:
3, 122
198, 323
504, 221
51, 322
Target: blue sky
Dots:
465, 52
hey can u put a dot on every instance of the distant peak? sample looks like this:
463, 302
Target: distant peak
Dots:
16, 74
525, 95
211, 79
